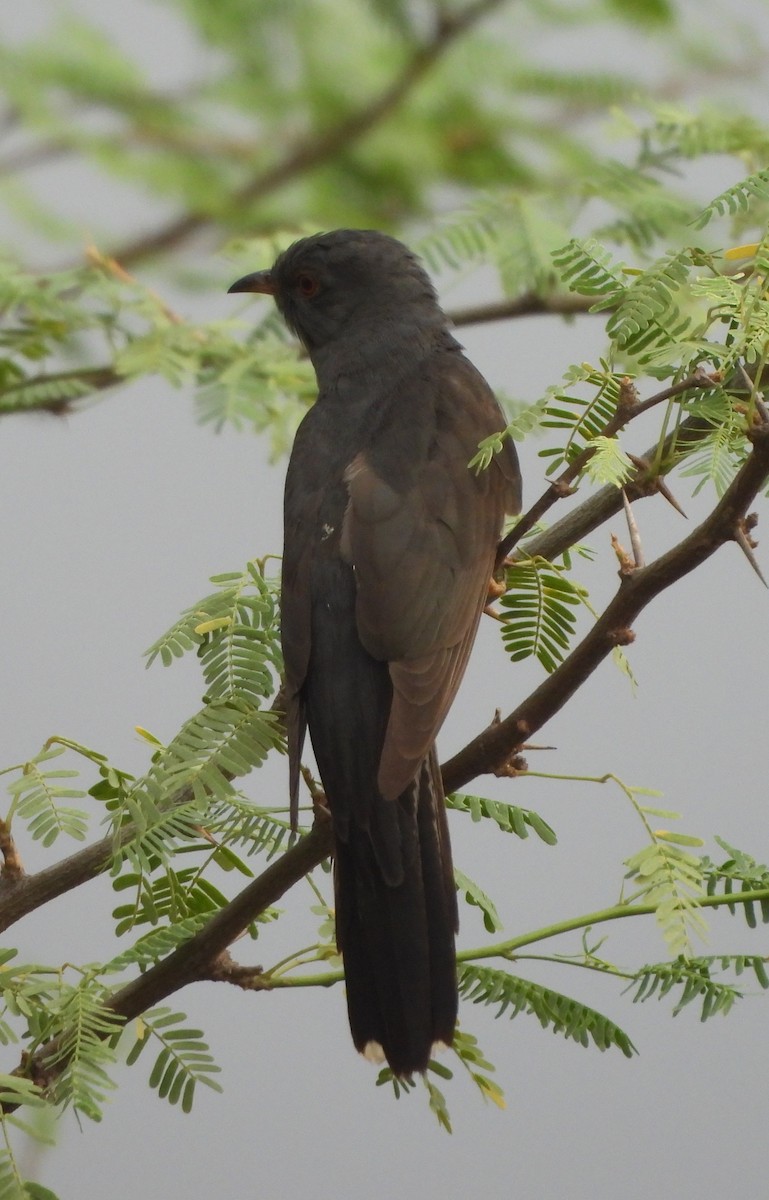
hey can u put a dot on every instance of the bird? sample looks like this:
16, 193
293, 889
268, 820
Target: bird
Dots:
389, 546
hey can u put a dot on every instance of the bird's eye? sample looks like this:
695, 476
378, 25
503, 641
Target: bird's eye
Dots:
307, 285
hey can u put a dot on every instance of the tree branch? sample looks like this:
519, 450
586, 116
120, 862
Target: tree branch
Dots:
489, 751
13, 399
318, 147
492, 748
135, 999
192, 960
617, 912
628, 408
20, 896
527, 305
607, 502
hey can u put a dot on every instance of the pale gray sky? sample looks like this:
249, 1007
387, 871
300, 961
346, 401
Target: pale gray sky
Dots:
115, 518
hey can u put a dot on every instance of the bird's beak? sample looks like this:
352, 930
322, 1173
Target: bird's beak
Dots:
260, 281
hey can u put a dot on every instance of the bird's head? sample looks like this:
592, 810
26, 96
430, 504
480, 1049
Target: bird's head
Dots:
349, 282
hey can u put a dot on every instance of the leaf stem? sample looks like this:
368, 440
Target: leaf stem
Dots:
616, 912
508, 948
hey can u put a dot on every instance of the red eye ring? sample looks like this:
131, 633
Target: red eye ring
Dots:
307, 285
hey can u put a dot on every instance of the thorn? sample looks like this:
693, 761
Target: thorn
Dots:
752, 386
516, 764
749, 383
635, 536
747, 545
761, 409
655, 483
206, 835
666, 494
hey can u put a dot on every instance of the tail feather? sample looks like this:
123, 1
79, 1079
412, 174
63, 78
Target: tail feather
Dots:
397, 940
395, 897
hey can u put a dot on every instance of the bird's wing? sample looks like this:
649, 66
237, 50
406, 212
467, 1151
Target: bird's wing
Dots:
421, 531
315, 494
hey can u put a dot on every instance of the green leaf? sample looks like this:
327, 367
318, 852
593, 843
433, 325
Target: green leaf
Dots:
36, 795
673, 881
437, 1102
539, 620
508, 817
83, 1029
562, 1014
739, 868
226, 739
649, 315
609, 464
693, 980
736, 199
475, 896
586, 267
15, 1089
184, 1059
584, 418
474, 1061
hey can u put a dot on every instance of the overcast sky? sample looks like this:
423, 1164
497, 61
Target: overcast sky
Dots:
115, 518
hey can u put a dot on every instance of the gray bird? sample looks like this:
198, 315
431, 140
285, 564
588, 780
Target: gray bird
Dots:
389, 546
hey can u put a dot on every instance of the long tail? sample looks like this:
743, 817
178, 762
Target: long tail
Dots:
397, 940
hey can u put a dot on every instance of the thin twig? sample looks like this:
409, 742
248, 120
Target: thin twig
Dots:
528, 305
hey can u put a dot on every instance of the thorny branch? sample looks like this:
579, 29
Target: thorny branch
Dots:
489, 751
628, 408
491, 748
